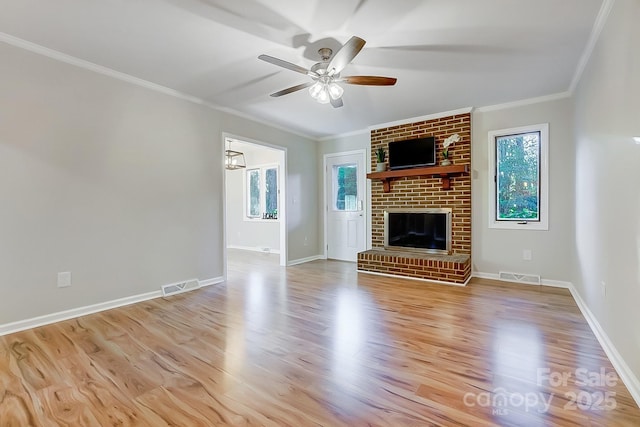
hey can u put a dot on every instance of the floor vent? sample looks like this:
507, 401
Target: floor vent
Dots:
180, 287
530, 279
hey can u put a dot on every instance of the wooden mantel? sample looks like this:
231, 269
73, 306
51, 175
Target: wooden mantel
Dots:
444, 172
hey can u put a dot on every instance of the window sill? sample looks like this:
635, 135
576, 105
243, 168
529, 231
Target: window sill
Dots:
260, 220
519, 225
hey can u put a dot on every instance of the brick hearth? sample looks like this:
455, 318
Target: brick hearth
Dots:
447, 268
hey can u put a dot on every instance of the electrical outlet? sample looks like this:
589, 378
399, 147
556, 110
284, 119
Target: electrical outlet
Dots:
604, 288
64, 279
526, 254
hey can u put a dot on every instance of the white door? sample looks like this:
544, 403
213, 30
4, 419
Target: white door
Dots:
344, 190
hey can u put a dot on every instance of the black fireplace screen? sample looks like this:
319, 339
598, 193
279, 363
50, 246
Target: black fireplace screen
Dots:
428, 231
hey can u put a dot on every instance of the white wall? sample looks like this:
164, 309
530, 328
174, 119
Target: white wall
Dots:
342, 143
495, 250
243, 232
607, 196
118, 184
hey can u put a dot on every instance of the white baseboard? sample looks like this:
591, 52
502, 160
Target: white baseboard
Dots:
622, 368
210, 282
303, 260
543, 282
480, 275
626, 374
21, 325
395, 276
557, 284
254, 249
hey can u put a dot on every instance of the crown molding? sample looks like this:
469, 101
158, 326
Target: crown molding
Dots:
246, 116
90, 66
81, 63
523, 102
598, 25
421, 118
343, 135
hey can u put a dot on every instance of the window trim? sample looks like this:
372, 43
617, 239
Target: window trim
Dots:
263, 170
543, 223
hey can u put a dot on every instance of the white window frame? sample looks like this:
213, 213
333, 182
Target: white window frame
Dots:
543, 223
263, 190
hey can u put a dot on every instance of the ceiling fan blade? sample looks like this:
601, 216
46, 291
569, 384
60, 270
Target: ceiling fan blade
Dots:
291, 89
369, 80
345, 55
337, 103
287, 65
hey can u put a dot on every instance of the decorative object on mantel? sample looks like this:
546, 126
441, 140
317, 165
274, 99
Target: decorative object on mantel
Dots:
381, 156
233, 159
445, 148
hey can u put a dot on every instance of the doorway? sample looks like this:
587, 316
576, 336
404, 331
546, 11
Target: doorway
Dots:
345, 209
254, 199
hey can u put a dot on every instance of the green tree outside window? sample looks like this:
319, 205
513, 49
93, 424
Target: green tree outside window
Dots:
518, 177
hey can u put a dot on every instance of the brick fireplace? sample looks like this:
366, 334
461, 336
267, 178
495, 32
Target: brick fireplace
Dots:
424, 191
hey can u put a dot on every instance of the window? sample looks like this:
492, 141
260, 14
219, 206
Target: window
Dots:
261, 193
518, 178
271, 190
346, 186
253, 192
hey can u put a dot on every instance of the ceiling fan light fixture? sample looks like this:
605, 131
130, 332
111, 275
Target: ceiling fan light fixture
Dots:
324, 74
315, 89
323, 96
335, 91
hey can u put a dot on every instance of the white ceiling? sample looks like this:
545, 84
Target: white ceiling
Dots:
446, 54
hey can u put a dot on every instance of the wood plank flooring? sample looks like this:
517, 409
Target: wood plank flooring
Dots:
318, 345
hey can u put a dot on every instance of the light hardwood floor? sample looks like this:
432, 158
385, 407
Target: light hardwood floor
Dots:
318, 344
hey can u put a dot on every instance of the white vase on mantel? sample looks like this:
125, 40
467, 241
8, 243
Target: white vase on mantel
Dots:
381, 167
445, 162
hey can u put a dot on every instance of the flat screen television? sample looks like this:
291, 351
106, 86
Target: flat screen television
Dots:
412, 153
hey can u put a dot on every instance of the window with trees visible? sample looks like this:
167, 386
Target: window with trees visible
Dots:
271, 190
262, 193
346, 183
519, 177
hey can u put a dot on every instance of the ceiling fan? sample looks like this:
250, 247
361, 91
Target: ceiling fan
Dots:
325, 75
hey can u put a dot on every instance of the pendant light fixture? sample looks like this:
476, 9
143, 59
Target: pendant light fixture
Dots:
233, 159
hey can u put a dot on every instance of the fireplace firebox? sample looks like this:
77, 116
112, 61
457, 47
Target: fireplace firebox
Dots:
425, 230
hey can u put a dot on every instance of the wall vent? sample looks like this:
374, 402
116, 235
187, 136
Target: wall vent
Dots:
530, 279
180, 287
